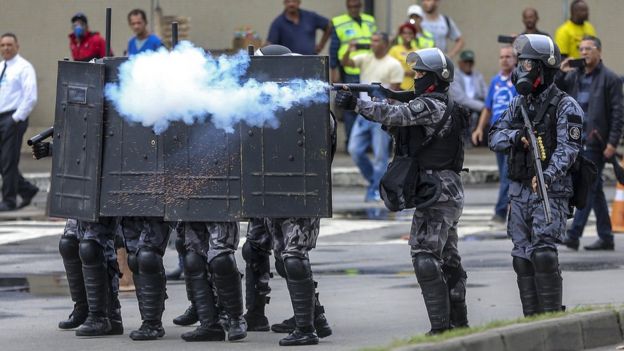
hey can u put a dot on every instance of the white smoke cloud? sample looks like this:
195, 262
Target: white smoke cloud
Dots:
157, 88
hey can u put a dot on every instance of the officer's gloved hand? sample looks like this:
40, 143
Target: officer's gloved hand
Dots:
41, 150
346, 100
521, 141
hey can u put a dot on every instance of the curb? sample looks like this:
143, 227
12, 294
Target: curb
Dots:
579, 331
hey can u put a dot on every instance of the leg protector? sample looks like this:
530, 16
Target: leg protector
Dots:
301, 289
227, 280
69, 250
197, 275
548, 279
96, 278
150, 283
279, 267
526, 286
257, 276
435, 291
321, 325
114, 306
456, 281
190, 315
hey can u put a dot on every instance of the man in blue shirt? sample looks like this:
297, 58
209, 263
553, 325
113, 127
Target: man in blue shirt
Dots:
500, 94
143, 39
296, 29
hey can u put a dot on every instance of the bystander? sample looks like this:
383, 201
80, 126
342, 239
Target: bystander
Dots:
568, 36
142, 40
469, 89
443, 27
296, 29
530, 17
84, 44
500, 94
18, 96
599, 93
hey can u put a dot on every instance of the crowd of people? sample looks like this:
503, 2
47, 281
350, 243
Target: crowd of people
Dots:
576, 110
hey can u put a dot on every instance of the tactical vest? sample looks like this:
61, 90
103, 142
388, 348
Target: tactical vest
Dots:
347, 30
436, 152
544, 121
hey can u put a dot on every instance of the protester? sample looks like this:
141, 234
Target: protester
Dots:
84, 44
296, 29
142, 40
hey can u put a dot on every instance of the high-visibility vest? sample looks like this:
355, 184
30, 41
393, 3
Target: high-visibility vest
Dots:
347, 30
423, 41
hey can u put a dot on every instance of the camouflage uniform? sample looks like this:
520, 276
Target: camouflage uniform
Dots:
145, 232
535, 259
211, 239
433, 235
526, 223
434, 229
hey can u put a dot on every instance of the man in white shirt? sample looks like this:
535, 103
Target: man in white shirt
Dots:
375, 66
469, 89
18, 96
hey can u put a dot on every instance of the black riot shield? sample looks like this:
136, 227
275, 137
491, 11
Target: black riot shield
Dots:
199, 172
77, 142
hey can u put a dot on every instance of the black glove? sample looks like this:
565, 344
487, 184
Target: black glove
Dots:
346, 100
41, 150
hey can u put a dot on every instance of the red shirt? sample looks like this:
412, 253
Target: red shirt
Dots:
92, 46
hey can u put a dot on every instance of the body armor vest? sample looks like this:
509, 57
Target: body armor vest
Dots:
544, 121
436, 152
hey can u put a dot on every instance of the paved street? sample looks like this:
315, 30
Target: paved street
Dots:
362, 264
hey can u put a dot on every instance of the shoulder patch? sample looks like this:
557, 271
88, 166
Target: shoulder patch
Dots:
417, 106
575, 133
575, 119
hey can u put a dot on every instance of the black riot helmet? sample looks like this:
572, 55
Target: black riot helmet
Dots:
273, 50
538, 61
433, 61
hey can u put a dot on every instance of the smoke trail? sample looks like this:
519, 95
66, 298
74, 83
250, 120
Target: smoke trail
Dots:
157, 88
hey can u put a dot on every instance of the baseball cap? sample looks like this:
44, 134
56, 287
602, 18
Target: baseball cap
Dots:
467, 55
79, 17
415, 10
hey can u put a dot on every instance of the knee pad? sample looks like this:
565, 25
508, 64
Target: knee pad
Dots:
179, 244
297, 268
150, 262
69, 248
279, 267
545, 261
133, 264
523, 267
194, 263
251, 254
223, 264
91, 252
426, 267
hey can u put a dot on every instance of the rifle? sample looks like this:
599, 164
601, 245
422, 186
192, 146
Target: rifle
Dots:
376, 90
41, 136
541, 185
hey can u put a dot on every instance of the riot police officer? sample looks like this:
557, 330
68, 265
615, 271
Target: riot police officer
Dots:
90, 261
290, 239
428, 132
556, 121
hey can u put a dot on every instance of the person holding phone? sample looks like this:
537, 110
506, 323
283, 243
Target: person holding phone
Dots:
598, 91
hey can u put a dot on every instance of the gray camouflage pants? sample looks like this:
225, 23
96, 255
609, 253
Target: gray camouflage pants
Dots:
140, 232
526, 222
434, 229
210, 239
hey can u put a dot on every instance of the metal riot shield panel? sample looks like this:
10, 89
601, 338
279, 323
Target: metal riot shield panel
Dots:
132, 166
202, 178
286, 170
77, 142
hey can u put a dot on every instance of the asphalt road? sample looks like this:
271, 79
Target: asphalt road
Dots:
365, 276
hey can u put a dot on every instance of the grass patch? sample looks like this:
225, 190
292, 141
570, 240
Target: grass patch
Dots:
455, 333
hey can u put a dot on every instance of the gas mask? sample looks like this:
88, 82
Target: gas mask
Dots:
426, 84
527, 76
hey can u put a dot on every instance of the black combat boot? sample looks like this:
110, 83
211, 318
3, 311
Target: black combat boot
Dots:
190, 315
456, 282
151, 285
96, 278
548, 282
196, 276
114, 315
301, 288
321, 325
68, 247
435, 292
526, 286
257, 289
227, 280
